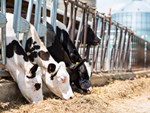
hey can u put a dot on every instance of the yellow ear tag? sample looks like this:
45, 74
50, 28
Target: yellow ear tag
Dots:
77, 62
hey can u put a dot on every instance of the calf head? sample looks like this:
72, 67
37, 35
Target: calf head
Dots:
31, 85
59, 82
80, 76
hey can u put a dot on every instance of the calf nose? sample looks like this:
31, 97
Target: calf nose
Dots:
37, 86
71, 97
89, 90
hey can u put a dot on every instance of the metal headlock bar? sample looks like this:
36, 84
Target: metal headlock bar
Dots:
3, 22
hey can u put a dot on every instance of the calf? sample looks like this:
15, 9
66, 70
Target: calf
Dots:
27, 75
54, 74
59, 50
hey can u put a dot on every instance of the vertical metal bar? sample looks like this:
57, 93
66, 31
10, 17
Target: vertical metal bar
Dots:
96, 57
113, 51
118, 49
28, 18
126, 51
87, 52
17, 17
54, 5
4, 45
65, 12
3, 6
44, 19
95, 32
74, 22
96, 62
70, 18
107, 41
29, 12
79, 30
145, 54
95, 22
103, 28
129, 54
85, 33
3, 34
37, 14
122, 50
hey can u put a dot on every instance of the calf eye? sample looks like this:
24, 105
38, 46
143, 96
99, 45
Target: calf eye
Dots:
51, 68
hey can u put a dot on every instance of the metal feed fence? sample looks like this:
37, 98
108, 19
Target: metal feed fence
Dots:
119, 48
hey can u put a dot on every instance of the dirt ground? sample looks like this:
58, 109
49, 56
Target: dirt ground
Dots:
128, 96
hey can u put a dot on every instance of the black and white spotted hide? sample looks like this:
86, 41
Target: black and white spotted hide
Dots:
80, 76
55, 74
26, 75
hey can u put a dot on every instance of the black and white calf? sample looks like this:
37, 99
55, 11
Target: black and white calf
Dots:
62, 49
27, 75
54, 74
